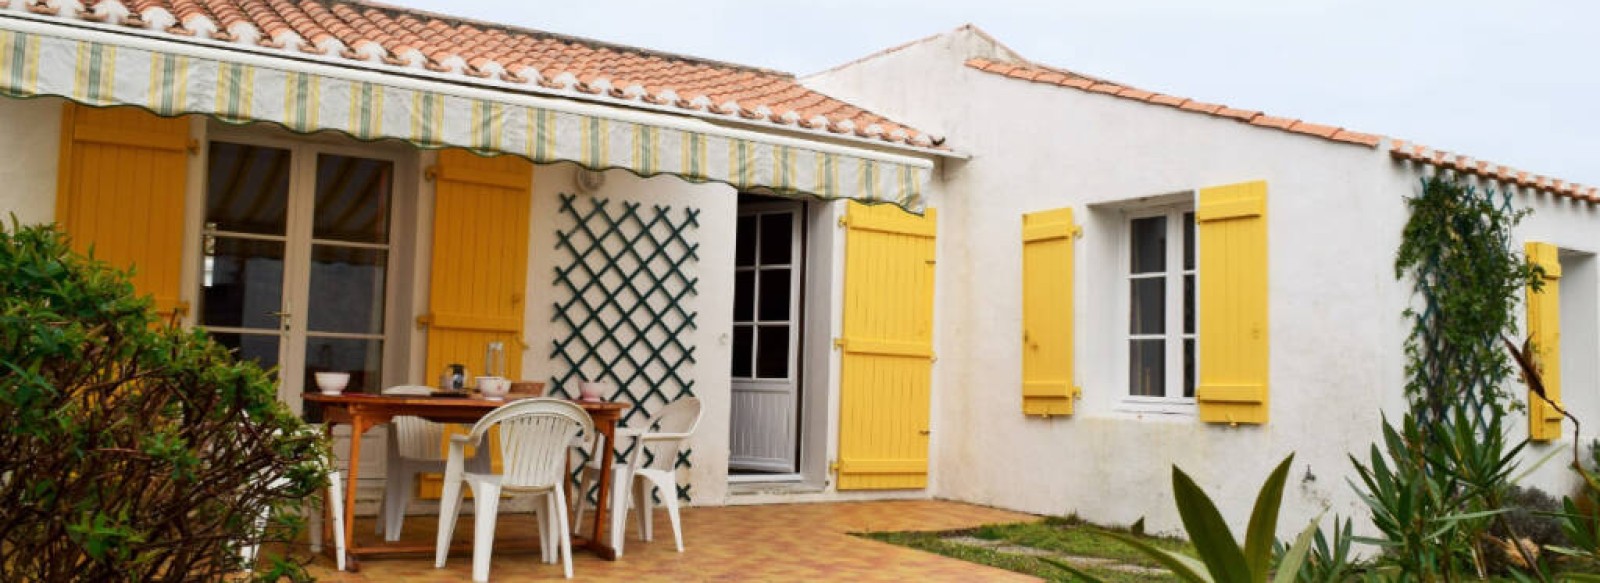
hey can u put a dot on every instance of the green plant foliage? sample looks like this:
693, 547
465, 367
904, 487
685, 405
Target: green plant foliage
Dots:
132, 450
1435, 493
1457, 251
1221, 558
1328, 560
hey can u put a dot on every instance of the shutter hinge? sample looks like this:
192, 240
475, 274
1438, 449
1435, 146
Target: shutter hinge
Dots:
424, 321
844, 221
833, 466
431, 173
194, 147
838, 343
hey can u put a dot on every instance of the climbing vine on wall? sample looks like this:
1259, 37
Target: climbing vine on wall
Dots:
1457, 251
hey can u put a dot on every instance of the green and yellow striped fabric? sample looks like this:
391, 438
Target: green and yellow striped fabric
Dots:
106, 73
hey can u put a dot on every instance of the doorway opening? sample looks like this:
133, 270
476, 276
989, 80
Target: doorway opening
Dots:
769, 272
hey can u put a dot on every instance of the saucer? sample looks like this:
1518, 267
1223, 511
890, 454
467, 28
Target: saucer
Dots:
333, 393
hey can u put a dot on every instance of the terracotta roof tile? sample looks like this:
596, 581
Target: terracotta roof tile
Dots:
1408, 151
392, 37
1053, 76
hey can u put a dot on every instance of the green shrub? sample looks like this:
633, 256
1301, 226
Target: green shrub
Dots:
131, 449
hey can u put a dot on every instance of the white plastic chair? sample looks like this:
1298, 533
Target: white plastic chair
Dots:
663, 436
535, 435
413, 448
333, 496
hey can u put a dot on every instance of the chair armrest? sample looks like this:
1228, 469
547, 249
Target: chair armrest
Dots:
461, 439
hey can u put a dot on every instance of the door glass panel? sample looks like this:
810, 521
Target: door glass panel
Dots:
742, 347
744, 296
1148, 374
242, 283
772, 352
1188, 241
1188, 304
362, 358
352, 199
347, 289
259, 348
774, 295
1188, 368
744, 252
247, 189
777, 238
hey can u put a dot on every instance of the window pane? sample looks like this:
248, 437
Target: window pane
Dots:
259, 348
1149, 237
1188, 368
247, 189
1188, 304
775, 294
347, 289
1147, 375
772, 352
744, 252
777, 238
1188, 241
243, 283
352, 199
741, 351
744, 296
1149, 302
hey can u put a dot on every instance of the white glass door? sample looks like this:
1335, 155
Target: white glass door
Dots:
766, 333
295, 260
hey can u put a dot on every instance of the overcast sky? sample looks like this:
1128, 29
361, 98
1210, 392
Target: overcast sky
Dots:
1515, 82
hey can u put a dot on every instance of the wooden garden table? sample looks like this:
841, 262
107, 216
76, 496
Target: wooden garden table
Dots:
362, 412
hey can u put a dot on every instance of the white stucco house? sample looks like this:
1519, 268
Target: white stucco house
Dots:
332, 185
1311, 322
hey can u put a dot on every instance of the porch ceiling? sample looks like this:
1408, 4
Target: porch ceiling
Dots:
102, 65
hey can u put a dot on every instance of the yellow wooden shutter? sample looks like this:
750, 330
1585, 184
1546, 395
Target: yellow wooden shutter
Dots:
887, 348
1544, 327
1047, 312
121, 183
480, 267
1232, 338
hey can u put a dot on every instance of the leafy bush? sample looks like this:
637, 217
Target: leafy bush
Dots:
131, 450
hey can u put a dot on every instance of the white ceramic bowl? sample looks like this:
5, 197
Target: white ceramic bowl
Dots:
494, 387
332, 383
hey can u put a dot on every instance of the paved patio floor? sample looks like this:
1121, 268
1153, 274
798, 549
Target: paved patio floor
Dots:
789, 542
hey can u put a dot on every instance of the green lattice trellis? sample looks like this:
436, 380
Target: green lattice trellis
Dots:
624, 282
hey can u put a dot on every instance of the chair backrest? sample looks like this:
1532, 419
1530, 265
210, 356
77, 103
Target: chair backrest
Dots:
535, 435
675, 423
417, 438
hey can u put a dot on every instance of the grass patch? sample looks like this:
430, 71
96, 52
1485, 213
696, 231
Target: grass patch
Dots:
1067, 536
934, 542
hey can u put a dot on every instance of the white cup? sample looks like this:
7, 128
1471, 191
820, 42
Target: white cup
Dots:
588, 391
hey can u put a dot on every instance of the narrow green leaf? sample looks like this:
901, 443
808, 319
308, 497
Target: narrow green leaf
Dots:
1064, 566
1263, 529
1289, 567
1208, 531
1185, 568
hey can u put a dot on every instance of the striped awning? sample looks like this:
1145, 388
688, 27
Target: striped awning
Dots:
103, 68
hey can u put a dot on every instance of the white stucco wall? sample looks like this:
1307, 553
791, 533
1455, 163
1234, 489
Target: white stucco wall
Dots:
30, 140
1336, 333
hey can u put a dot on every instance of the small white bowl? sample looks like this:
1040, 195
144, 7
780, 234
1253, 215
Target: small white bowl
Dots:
332, 383
494, 388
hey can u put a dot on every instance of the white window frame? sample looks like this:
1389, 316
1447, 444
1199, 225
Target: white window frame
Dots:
1174, 333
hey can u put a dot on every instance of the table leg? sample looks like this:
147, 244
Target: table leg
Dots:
600, 544
358, 426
